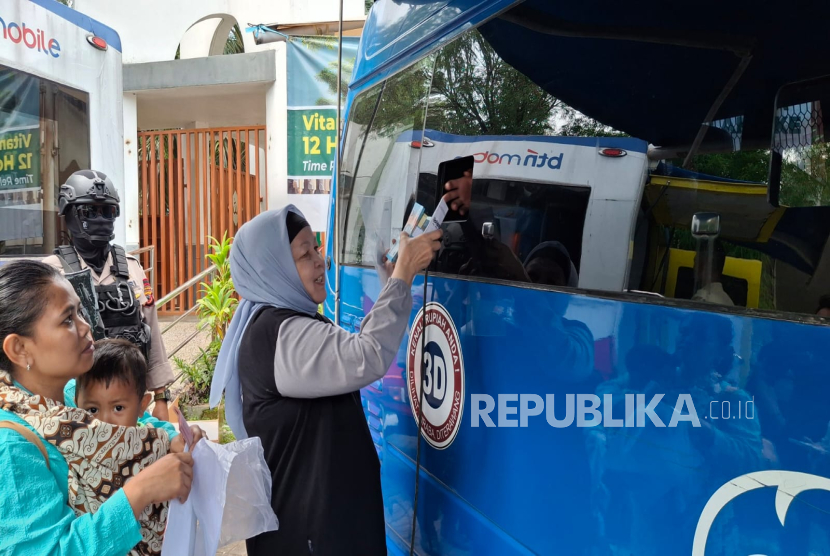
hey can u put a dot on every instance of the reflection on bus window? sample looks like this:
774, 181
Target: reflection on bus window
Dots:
560, 200
36, 117
517, 231
376, 162
527, 228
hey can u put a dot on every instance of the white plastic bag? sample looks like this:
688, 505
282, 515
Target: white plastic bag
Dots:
230, 500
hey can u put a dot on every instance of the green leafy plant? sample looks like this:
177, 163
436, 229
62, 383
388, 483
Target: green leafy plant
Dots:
215, 309
219, 301
199, 374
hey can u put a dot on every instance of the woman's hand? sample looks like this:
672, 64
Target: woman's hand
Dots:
168, 478
414, 255
177, 445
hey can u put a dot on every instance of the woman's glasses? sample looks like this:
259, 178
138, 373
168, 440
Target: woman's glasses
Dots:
93, 211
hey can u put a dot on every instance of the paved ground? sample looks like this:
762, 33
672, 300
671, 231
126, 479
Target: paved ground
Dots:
178, 334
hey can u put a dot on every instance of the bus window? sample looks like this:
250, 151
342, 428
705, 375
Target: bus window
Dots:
386, 124
550, 208
37, 116
520, 231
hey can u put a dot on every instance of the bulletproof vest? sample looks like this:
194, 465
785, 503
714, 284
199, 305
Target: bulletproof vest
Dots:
118, 307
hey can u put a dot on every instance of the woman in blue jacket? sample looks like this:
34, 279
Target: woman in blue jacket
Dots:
44, 345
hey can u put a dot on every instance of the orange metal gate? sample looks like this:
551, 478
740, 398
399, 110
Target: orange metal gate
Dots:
194, 184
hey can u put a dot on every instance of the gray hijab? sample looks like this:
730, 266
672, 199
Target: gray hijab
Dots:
265, 275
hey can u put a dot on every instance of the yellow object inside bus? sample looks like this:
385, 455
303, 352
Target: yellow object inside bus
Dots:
742, 277
745, 213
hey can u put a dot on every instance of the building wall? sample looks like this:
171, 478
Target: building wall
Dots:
152, 30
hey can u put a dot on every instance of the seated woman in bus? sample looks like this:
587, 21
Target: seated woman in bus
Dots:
550, 263
293, 379
53, 454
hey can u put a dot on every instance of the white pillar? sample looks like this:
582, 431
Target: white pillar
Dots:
129, 204
276, 133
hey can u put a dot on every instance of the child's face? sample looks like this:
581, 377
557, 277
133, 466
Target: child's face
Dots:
117, 404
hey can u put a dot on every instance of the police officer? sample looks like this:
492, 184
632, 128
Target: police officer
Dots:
89, 203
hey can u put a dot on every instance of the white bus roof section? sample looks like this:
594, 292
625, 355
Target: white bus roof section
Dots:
616, 184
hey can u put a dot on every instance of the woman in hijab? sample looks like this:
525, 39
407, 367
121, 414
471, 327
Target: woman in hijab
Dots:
293, 378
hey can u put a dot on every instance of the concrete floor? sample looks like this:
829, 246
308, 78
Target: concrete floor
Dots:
179, 333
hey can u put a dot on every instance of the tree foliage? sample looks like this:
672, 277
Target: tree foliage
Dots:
475, 92
576, 124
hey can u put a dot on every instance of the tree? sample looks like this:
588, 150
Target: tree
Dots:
575, 124
475, 92
804, 176
234, 44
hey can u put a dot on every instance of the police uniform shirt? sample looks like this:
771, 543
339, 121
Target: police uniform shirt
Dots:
160, 373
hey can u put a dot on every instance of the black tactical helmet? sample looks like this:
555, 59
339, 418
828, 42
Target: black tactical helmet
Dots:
87, 187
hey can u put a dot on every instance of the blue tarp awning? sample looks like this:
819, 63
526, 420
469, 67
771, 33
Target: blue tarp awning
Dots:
662, 92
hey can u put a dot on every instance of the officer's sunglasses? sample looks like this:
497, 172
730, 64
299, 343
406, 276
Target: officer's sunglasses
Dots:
110, 212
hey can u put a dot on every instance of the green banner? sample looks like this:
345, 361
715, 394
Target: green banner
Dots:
312, 111
20, 158
312, 140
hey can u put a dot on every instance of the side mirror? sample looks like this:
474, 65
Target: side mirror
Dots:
799, 145
488, 230
705, 225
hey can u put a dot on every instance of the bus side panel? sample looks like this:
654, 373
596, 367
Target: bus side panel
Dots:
602, 482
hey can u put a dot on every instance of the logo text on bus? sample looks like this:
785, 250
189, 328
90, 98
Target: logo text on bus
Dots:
531, 158
443, 379
34, 39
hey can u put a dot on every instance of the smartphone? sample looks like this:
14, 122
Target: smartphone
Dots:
450, 170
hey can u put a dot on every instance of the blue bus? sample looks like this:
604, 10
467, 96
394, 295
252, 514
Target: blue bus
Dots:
622, 346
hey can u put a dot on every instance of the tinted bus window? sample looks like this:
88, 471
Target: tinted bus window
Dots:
44, 137
544, 185
530, 200
379, 161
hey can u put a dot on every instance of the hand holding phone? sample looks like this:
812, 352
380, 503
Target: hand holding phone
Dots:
455, 184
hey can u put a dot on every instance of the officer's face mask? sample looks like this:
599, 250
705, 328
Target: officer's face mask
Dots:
95, 223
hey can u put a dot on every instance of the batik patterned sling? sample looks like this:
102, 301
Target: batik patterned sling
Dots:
101, 457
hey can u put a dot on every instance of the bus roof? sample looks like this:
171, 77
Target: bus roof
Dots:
634, 66
83, 21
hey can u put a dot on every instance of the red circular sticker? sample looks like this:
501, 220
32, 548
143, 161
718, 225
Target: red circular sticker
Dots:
443, 381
